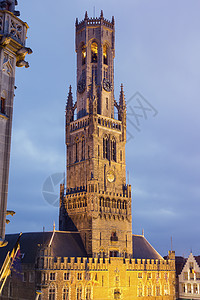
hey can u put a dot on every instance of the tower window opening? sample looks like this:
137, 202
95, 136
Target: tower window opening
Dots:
113, 150
88, 293
2, 105
107, 103
83, 149
76, 158
94, 52
83, 54
65, 293
106, 148
105, 54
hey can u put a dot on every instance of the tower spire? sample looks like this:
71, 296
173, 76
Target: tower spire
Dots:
122, 101
70, 98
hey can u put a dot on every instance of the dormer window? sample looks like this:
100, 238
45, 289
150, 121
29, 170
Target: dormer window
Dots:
83, 54
105, 55
94, 52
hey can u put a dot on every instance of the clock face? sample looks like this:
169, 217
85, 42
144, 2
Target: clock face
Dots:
111, 176
81, 85
107, 85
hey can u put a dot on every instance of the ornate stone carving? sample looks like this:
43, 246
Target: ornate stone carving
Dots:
9, 5
16, 30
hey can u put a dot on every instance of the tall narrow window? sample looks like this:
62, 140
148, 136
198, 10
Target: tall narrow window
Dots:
83, 52
107, 103
106, 148
113, 149
65, 293
83, 149
88, 293
105, 54
52, 293
94, 52
2, 105
76, 158
79, 292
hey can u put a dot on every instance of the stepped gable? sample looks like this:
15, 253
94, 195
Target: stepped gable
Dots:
142, 249
63, 244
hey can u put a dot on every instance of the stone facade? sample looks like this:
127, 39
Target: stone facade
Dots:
12, 52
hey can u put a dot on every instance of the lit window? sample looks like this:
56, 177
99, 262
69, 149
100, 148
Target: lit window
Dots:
88, 293
94, 52
140, 290
65, 293
52, 293
79, 292
66, 276
79, 276
83, 52
149, 291
52, 276
157, 290
105, 54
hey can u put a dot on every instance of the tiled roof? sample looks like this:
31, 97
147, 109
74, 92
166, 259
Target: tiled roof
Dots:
142, 249
64, 244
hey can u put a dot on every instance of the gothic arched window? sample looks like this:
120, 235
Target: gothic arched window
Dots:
79, 292
88, 293
83, 54
83, 149
65, 295
52, 292
106, 147
113, 149
94, 52
105, 54
76, 150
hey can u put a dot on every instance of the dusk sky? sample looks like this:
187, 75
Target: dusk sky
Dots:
158, 60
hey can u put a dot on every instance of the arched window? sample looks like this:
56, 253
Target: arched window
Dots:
76, 150
88, 293
65, 295
140, 290
79, 292
113, 149
94, 52
83, 54
52, 292
106, 147
83, 148
105, 54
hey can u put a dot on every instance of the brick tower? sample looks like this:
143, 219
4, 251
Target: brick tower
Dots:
12, 53
97, 200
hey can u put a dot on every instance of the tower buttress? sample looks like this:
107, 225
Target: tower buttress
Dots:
12, 53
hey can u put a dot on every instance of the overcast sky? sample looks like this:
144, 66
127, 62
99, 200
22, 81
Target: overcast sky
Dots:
157, 57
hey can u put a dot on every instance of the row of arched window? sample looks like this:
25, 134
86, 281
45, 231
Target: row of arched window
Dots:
112, 203
66, 295
109, 148
77, 203
151, 290
94, 53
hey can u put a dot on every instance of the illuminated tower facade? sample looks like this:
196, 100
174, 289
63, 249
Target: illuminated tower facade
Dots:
97, 200
12, 53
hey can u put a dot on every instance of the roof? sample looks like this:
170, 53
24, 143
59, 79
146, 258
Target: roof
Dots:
63, 244
142, 249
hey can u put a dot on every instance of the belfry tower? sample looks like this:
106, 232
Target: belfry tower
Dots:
12, 53
97, 200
